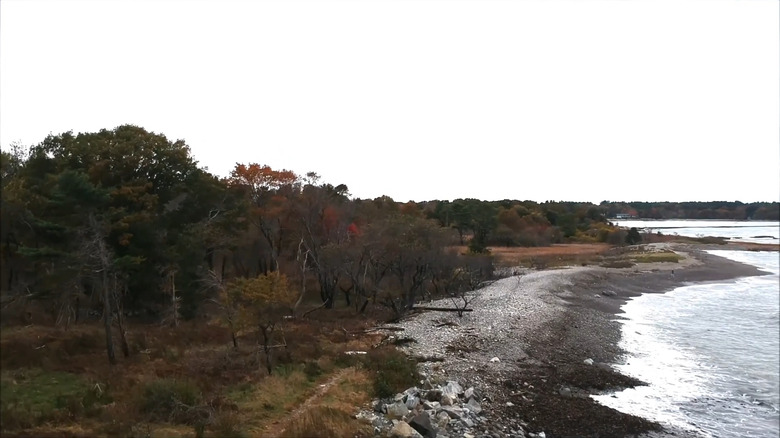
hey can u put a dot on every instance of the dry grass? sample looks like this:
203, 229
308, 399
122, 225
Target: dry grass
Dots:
323, 422
262, 404
329, 412
235, 392
547, 256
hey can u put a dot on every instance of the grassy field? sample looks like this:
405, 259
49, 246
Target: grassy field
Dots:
189, 381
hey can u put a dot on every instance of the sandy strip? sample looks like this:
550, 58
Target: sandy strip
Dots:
542, 326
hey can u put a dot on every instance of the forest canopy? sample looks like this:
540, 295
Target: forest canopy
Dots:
127, 216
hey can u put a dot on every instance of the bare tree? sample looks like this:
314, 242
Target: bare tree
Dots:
99, 263
169, 286
225, 301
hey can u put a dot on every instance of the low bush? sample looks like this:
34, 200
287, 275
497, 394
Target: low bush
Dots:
227, 424
169, 400
392, 371
312, 369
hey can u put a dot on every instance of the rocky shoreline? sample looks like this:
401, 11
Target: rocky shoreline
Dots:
534, 349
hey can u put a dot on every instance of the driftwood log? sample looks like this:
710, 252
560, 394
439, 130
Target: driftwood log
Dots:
441, 309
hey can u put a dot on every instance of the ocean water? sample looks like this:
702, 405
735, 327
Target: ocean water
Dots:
710, 353
742, 231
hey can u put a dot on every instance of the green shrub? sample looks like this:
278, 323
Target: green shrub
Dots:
392, 371
285, 370
164, 399
312, 369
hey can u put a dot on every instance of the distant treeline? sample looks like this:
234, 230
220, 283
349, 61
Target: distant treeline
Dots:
695, 210
126, 219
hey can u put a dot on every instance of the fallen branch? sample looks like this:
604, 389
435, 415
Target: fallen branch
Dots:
429, 359
376, 329
442, 309
322, 306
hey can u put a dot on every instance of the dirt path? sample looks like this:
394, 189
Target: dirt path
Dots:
323, 389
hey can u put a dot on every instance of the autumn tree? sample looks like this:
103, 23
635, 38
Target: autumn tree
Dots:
262, 303
324, 213
271, 194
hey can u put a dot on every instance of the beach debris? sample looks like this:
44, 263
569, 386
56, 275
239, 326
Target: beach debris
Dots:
495, 360
588, 361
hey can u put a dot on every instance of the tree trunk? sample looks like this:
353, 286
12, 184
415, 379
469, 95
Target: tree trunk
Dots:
107, 319
303, 257
120, 317
267, 348
175, 302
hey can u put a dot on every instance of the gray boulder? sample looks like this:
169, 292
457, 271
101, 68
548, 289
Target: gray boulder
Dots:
473, 406
433, 395
412, 402
442, 419
453, 389
397, 410
431, 405
403, 430
453, 411
422, 424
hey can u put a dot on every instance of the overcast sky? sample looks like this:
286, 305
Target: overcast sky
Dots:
581, 100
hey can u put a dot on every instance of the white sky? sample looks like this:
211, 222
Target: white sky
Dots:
654, 100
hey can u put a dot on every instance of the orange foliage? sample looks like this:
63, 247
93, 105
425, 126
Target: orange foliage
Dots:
261, 178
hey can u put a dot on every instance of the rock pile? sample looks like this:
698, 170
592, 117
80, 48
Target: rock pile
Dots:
437, 411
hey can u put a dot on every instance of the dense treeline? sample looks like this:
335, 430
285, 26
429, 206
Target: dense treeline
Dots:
695, 210
124, 221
